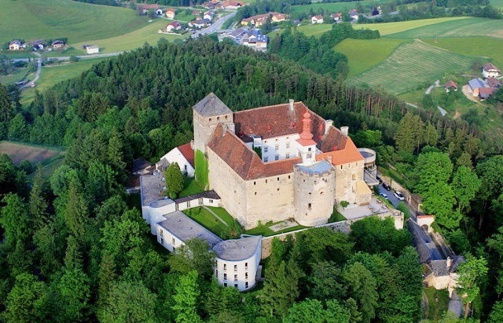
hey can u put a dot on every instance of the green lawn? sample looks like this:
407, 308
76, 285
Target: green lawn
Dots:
497, 3
487, 47
53, 74
207, 220
363, 54
77, 21
265, 231
438, 303
16, 54
396, 27
314, 30
329, 7
461, 27
18, 74
410, 65
132, 40
223, 214
191, 187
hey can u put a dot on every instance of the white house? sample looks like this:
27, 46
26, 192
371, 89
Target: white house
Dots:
353, 14
208, 15
183, 155
172, 26
317, 19
170, 13
92, 49
489, 70
159, 12
15, 45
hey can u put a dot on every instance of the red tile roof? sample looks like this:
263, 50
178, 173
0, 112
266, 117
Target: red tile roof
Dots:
450, 84
244, 161
348, 154
187, 152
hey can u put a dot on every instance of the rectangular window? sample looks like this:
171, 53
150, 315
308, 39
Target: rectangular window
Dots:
287, 145
246, 266
246, 275
173, 241
235, 267
162, 240
308, 156
266, 159
276, 157
276, 147
266, 149
287, 155
225, 276
161, 232
236, 285
225, 267
225, 284
246, 285
236, 278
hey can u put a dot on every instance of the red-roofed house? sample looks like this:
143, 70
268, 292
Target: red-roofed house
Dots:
170, 13
317, 19
450, 85
276, 162
172, 26
183, 155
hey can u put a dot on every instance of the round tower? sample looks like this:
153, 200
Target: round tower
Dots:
314, 187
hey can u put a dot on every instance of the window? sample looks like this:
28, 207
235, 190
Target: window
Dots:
309, 206
277, 178
287, 144
211, 201
266, 149
225, 284
266, 159
216, 272
235, 267
255, 193
236, 278
276, 157
288, 176
225, 276
287, 155
162, 240
276, 147
161, 232
173, 241
246, 285
254, 183
246, 266
236, 285
354, 177
218, 118
309, 149
209, 119
246, 275
225, 267
308, 156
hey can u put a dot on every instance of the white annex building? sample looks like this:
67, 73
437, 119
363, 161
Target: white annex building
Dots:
265, 164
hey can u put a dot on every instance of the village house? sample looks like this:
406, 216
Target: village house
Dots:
231, 5
317, 19
336, 16
353, 14
170, 13
450, 85
182, 155
259, 20
171, 27
208, 15
489, 70
58, 44
199, 23
92, 49
37, 45
146, 8
16, 45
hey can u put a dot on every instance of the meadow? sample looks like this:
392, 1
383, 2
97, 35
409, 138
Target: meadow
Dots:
134, 39
329, 7
35, 154
364, 54
53, 74
410, 65
77, 21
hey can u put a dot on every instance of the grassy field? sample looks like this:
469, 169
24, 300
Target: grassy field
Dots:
329, 7
467, 27
131, 40
18, 74
410, 65
484, 47
365, 54
35, 154
53, 74
396, 27
497, 3
77, 21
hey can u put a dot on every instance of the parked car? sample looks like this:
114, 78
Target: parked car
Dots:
399, 195
384, 195
379, 179
386, 186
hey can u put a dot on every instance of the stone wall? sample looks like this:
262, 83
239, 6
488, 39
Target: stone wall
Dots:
345, 181
204, 127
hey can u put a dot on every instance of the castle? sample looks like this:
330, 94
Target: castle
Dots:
278, 162
265, 164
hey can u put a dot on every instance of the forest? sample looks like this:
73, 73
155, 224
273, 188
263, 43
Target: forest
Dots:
75, 248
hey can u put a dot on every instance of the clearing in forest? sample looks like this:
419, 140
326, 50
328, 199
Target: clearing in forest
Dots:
389, 28
34, 154
410, 65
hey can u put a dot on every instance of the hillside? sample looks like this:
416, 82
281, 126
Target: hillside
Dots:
40, 19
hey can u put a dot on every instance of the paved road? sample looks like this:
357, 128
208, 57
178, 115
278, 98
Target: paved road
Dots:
37, 75
394, 201
213, 27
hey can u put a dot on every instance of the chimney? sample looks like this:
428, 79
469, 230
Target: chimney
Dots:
291, 104
328, 124
345, 130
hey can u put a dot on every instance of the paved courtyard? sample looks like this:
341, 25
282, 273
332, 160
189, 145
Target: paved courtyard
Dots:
355, 212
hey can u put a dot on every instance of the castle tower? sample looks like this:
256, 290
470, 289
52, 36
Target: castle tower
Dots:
207, 114
306, 144
314, 187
